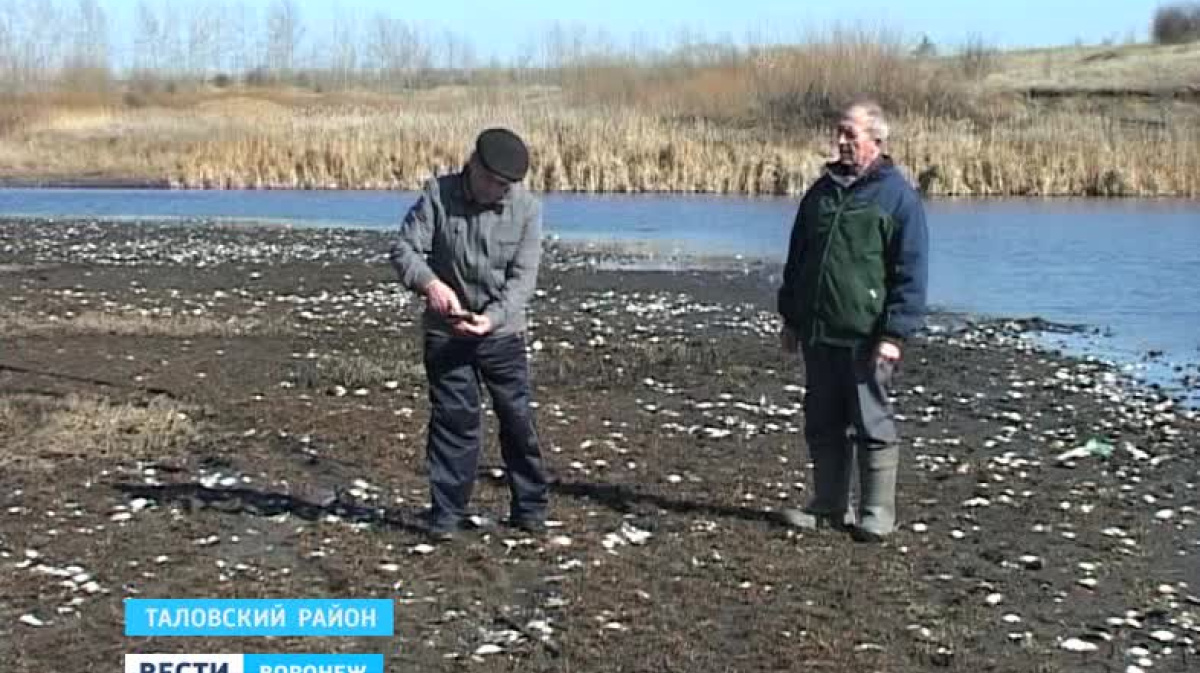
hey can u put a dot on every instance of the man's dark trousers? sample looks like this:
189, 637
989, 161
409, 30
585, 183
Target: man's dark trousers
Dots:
456, 367
847, 397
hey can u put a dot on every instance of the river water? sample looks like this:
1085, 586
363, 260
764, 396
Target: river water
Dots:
1126, 268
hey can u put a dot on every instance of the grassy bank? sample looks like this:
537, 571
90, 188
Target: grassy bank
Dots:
1070, 122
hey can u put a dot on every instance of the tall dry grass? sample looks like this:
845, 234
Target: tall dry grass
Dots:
751, 123
592, 150
788, 88
1058, 153
39, 430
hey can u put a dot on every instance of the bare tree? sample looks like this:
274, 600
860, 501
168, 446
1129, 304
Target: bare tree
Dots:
90, 49
343, 52
204, 38
147, 38
172, 41
526, 56
561, 45
8, 42
43, 47
457, 52
285, 31
240, 31
397, 50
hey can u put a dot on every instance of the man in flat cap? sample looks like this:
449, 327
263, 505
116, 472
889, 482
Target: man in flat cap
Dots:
472, 245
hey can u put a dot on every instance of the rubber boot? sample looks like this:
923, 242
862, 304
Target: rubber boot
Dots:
877, 470
832, 473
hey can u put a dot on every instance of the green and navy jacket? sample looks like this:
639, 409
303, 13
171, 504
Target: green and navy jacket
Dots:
857, 265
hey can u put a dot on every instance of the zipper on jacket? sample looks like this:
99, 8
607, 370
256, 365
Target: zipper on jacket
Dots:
837, 221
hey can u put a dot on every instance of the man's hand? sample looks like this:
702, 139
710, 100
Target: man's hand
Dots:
888, 351
788, 341
442, 298
477, 325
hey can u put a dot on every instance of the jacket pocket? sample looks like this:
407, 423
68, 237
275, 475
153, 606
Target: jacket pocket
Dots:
852, 304
502, 245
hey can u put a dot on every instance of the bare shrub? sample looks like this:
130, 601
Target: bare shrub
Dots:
1177, 23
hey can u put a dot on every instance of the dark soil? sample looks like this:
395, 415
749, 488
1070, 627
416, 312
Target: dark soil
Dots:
665, 407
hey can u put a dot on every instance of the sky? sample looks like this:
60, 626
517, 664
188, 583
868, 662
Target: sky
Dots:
499, 28
1005, 23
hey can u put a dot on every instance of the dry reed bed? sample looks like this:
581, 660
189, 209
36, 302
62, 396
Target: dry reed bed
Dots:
251, 143
706, 119
623, 151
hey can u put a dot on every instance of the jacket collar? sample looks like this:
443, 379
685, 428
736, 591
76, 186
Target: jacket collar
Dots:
464, 192
845, 177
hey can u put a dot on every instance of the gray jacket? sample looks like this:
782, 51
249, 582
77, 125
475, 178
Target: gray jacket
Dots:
488, 255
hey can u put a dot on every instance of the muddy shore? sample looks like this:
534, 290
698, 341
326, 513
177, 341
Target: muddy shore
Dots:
203, 411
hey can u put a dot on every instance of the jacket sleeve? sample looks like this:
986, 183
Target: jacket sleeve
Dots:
787, 301
414, 243
521, 274
907, 270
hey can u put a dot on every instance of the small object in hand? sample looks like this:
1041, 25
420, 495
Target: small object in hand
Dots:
460, 316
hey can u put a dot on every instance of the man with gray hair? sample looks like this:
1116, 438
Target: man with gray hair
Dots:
853, 291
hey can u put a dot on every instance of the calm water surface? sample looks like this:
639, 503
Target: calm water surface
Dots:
1129, 268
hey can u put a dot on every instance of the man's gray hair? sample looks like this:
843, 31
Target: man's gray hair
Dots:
876, 122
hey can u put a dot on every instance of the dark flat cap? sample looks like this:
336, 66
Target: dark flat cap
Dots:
504, 153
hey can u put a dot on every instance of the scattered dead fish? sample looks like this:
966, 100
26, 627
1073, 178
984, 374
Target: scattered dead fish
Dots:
1077, 645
